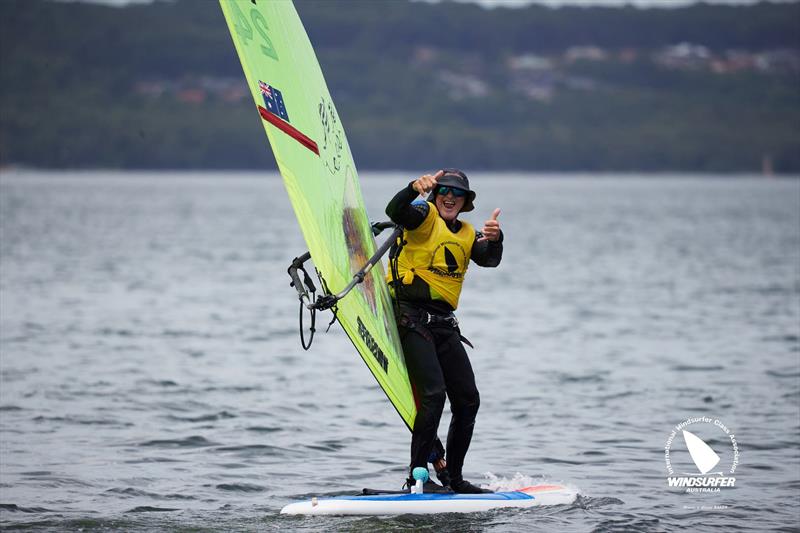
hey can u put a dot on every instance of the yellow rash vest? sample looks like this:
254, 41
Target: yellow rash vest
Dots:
437, 255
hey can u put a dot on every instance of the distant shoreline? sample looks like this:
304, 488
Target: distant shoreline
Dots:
21, 171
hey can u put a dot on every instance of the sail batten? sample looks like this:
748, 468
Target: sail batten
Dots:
307, 138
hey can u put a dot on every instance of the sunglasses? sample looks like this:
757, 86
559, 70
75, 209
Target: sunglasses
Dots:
458, 193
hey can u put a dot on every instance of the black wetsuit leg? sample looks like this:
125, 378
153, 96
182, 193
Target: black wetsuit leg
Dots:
464, 399
427, 382
438, 365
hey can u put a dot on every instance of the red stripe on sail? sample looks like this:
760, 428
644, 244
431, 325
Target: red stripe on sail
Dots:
288, 129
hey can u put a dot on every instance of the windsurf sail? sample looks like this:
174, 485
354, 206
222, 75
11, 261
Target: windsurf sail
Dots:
313, 156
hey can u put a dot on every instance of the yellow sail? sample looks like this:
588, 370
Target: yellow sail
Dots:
310, 147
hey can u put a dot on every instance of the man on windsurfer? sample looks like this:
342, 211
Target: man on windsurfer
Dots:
426, 274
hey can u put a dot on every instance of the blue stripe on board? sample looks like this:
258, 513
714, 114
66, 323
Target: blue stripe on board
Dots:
438, 497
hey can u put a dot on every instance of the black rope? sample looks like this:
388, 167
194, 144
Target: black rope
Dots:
307, 295
334, 308
312, 329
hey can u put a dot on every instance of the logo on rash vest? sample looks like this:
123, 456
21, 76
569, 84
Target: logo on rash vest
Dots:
273, 100
380, 357
449, 260
700, 455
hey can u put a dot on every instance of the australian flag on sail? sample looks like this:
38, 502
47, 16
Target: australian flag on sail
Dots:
273, 100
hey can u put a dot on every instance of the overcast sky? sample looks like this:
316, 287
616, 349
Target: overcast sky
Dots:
520, 3
639, 3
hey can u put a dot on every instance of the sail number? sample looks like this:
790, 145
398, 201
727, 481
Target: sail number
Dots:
244, 27
333, 135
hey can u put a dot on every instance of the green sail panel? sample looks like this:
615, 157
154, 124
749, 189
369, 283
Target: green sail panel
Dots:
314, 158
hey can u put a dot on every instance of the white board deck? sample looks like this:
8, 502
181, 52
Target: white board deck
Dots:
430, 503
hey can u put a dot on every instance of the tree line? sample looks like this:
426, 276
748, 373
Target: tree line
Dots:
71, 75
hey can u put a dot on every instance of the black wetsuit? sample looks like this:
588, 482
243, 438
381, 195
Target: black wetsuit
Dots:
435, 356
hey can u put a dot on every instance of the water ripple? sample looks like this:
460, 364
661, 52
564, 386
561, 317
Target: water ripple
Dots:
241, 487
151, 509
194, 441
133, 492
211, 417
14, 508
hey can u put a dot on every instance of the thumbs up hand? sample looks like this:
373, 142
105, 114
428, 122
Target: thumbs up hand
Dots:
491, 228
426, 183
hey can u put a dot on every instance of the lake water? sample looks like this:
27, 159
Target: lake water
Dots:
152, 376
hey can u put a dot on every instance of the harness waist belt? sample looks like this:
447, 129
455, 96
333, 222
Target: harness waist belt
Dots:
434, 320
411, 317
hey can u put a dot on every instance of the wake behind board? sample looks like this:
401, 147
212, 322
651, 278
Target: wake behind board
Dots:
431, 503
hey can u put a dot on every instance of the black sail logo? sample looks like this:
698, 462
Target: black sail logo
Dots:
373, 347
450, 260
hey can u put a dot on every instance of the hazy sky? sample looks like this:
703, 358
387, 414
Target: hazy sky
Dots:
520, 3
639, 3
